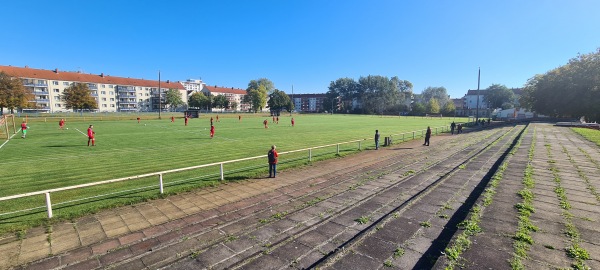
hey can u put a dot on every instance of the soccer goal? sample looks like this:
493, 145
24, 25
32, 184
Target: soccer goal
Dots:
439, 115
7, 122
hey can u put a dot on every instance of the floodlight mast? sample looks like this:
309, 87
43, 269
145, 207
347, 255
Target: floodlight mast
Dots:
159, 96
477, 109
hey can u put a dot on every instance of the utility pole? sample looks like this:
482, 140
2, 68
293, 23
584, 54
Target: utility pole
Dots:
478, 80
159, 96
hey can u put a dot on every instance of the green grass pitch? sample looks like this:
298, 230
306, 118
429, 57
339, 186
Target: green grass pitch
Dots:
53, 158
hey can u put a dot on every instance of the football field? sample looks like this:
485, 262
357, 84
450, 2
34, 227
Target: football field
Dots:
53, 158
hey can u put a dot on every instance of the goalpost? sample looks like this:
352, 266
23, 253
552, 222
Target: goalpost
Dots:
7, 121
433, 115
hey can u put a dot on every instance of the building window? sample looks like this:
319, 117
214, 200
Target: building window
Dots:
57, 98
41, 81
141, 94
112, 105
141, 100
112, 99
56, 91
103, 99
103, 92
54, 82
103, 105
111, 86
57, 105
111, 93
104, 86
66, 83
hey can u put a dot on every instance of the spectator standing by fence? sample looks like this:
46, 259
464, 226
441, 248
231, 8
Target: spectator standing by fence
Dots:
272, 155
452, 126
376, 139
427, 136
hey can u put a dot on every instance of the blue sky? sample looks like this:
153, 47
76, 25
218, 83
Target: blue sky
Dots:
306, 44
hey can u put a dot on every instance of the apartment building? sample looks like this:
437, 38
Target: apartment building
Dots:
193, 85
232, 94
113, 94
308, 102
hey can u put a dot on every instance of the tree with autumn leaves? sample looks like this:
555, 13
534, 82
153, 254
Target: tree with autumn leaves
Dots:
13, 95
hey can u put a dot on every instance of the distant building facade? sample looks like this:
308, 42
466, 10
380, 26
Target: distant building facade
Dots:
309, 103
112, 94
193, 85
233, 95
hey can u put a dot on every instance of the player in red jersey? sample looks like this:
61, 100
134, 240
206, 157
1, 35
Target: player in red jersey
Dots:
212, 131
172, 119
293, 122
24, 129
91, 136
186, 119
61, 123
266, 123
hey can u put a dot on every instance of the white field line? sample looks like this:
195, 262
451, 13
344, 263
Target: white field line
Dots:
10, 138
81, 132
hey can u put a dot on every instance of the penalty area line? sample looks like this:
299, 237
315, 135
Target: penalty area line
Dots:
81, 132
10, 138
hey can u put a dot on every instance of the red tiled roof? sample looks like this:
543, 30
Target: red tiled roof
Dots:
216, 89
58, 75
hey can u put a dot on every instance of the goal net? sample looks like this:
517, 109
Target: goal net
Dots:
438, 115
7, 126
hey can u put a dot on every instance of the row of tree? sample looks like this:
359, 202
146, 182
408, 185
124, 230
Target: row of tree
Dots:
376, 94
571, 90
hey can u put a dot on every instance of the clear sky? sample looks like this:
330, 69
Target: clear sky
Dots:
306, 43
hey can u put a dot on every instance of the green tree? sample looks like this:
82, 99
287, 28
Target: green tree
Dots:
233, 105
257, 93
571, 90
418, 108
173, 99
449, 108
438, 93
220, 102
279, 100
433, 106
377, 93
13, 95
78, 97
345, 90
197, 100
497, 95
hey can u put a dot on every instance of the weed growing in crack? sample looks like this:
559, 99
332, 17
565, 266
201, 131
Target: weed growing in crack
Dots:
363, 220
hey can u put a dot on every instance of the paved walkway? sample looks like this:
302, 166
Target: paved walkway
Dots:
64, 243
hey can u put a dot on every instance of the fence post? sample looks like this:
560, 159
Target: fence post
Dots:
359, 145
309, 154
338, 149
222, 178
413, 135
160, 183
436, 131
48, 205
402, 137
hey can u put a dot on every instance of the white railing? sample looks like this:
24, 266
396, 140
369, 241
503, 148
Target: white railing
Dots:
160, 174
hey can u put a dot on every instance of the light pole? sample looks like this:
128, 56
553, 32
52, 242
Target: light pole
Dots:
477, 109
159, 96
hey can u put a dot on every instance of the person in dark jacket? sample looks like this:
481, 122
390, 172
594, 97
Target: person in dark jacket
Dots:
427, 136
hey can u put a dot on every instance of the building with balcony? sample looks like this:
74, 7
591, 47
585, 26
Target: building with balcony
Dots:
111, 93
234, 96
310, 103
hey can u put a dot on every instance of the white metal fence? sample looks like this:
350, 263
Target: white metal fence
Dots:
403, 136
